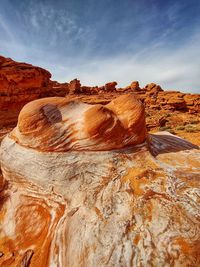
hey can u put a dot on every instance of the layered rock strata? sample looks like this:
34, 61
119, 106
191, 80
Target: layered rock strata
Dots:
20, 83
66, 203
56, 124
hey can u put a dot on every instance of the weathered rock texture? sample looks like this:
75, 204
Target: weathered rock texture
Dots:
56, 124
134, 86
134, 206
20, 83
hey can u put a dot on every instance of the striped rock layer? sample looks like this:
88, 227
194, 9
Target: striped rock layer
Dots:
56, 124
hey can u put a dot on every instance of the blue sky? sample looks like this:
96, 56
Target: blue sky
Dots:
104, 40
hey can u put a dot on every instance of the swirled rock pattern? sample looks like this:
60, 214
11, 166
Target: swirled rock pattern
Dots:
56, 124
137, 204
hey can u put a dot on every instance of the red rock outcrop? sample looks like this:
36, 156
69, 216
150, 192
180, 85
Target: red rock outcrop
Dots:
153, 96
110, 87
90, 90
152, 87
18, 79
134, 86
192, 102
74, 87
20, 83
57, 89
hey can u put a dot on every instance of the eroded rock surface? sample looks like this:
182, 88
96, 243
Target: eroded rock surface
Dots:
56, 124
134, 205
20, 83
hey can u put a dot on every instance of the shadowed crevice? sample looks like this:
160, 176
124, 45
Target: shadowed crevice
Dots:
166, 143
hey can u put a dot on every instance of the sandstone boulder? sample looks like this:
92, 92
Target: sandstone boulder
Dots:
134, 86
110, 87
56, 124
74, 87
153, 88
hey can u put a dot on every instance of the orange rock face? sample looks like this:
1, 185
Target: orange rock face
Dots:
18, 78
110, 87
134, 86
153, 87
74, 87
56, 124
20, 83
172, 100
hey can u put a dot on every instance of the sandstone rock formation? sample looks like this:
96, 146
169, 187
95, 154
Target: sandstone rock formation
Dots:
57, 89
134, 86
55, 124
110, 87
74, 87
18, 78
172, 100
134, 205
153, 87
90, 90
20, 83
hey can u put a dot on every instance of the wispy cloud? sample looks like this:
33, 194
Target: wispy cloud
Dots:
6, 29
53, 27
